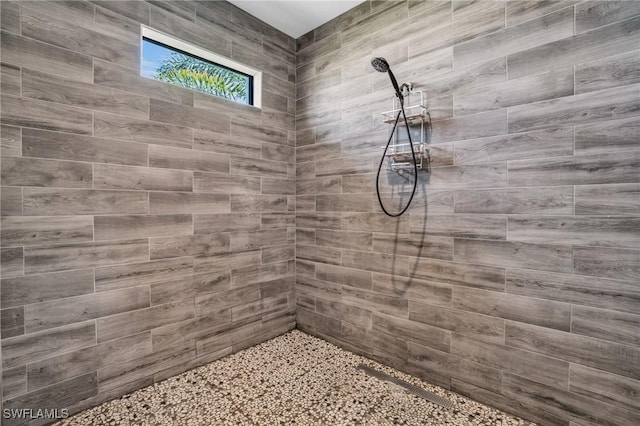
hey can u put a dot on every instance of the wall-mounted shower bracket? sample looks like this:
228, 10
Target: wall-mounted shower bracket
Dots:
399, 152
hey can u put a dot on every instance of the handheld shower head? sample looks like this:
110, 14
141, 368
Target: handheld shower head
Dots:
381, 65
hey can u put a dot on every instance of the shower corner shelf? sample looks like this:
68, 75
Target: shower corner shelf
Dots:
399, 153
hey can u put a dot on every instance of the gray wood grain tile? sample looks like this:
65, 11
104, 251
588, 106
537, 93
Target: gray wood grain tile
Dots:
423, 358
188, 245
545, 257
461, 226
258, 274
417, 332
141, 226
323, 185
483, 124
414, 245
10, 141
169, 291
276, 220
142, 274
249, 130
74, 35
376, 262
543, 369
187, 203
278, 254
182, 115
610, 72
344, 276
107, 176
211, 223
344, 202
54, 201
34, 347
549, 28
594, 14
608, 199
12, 262
575, 289
62, 367
12, 322
539, 200
44, 115
608, 356
577, 170
32, 54
582, 108
59, 257
128, 323
10, 79
613, 263
217, 302
519, 12
463, 274
329, 255
469, 176
20, 171
176, 334
14, 381
520, 146
56, 313
380, 303
225, 261
223, 183
11, 201
467, 323
187, 159
278, 186
25, 231
602, 42
411, 288
544, 313
46, 87
226, 144
611, 388
566, 404
608, 136
136, 10
65, 146
256, 167
10, 16
607, 325
322, 221
128, 128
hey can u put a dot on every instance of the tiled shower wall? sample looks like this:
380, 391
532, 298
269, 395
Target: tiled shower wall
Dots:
146, 229
514, 276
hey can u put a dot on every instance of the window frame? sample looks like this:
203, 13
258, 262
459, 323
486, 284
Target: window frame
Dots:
160, 38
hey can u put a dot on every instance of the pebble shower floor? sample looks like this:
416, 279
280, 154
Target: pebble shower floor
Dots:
294, 379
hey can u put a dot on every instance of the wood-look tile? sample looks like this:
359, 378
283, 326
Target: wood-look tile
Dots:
176, 334
606, 41
217, 302
59, 257
107, 176
319, 220
188, 245
19, 171
607, 199
39, 114
608, 356
12, 322
543, 369
257, 167
128, 323
469, 176
424, 358
549, 28
187, 159
169, 291
461, 226
12, 262
610, 72
414, 245
10, 141
187, 203
212, 223
611, 388
607, 136
344, 202
376, 262
34, 347
463, 274
596, 14
544, 313
410, 288
65, 146
616, 263
141, 226
520, 146
539, 200
578, 109
54, 201
344, 276
545, 257
10, 80
26, 231
518, 12
142, 274
278, 220
225, 261
249, 130
131, 9
606, 325
319, 254
576, 289
74, 35
483, 124
323, 185
225, 144
14, 381
576, 170
62, 367
182, 115
10, 16
56, 313
258, 274
11, 201
32, 54
133, 129
47, 87
278, 254
414, 331
223, 183
568, 405
278, 186
579, 230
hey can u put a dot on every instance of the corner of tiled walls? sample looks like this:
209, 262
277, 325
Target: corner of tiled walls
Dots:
146, 229
514, 277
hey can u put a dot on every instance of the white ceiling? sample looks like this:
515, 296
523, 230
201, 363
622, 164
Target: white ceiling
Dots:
296, 17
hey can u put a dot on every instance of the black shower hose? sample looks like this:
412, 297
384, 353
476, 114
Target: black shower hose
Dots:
415, 162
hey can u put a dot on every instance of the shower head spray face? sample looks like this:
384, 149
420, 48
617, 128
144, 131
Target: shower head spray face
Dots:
380, 64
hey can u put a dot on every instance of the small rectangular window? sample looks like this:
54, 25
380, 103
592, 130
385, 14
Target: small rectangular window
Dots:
173, 61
